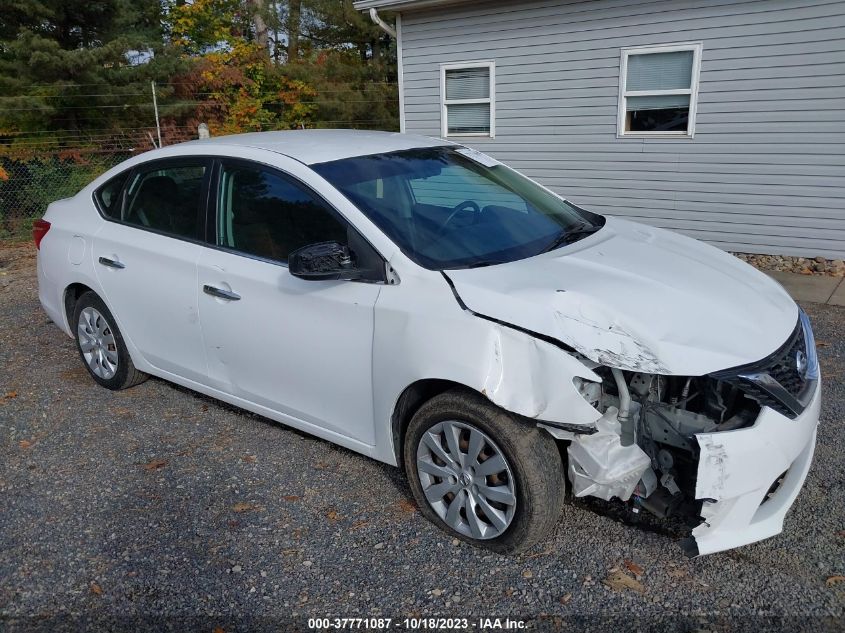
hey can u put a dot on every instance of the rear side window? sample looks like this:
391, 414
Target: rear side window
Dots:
166, 198
108, 196
262, 213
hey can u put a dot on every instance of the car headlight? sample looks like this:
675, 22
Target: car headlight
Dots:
811, 371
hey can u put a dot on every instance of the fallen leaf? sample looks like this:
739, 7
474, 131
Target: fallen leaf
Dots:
407, 505
528, 574
219, 629
822, 344
564, 599
291, 498
332, 515
204, 407
25, 444
359, 524
96, 589
250, 459
243, 507
10, 395
156, 464
834, 580
619, 581
635, 569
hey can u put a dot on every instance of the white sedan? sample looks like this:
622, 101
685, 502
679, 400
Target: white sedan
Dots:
422, 304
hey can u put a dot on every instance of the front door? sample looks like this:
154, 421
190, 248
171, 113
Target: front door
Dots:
146, 262
300, 348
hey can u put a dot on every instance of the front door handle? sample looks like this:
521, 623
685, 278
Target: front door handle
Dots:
220, 293
111, 263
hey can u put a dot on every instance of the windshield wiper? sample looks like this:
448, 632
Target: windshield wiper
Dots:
481, 263
571, 235
484, 262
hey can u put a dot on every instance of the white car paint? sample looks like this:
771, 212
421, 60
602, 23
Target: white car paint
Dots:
613, 298
334, 358
156, 295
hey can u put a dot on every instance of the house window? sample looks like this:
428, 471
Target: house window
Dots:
658, 90
468, 99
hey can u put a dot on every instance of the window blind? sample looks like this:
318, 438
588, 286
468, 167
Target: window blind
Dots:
468, 118
657, 102
660, 71
468, 83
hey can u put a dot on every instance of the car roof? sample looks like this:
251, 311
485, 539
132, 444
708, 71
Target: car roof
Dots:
321, 146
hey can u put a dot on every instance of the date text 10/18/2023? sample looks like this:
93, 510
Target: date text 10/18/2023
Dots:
416, 624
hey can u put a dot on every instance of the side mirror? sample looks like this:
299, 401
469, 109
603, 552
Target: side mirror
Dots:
323, 261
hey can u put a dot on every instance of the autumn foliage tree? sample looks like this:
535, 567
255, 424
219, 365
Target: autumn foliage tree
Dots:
72, 70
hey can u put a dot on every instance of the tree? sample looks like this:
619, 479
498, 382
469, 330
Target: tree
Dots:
294, 24
78, 71
69, 67
338, 25
262, 36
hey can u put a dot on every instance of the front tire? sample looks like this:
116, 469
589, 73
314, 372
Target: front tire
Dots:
482, 474
101, 346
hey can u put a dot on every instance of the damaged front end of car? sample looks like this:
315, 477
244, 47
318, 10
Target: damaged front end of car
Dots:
725, 452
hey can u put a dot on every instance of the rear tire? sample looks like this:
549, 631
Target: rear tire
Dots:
101, 346
507, 505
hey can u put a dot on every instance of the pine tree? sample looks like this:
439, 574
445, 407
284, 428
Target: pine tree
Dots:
79, 66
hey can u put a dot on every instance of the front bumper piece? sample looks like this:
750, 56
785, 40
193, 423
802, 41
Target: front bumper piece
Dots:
749, 478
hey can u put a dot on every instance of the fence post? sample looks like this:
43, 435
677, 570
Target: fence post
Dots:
155, 107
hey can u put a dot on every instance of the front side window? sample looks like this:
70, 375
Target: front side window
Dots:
451, 207
167, 198
468, 99
659, 90
260, 212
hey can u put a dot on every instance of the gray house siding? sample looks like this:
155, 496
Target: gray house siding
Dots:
765, 171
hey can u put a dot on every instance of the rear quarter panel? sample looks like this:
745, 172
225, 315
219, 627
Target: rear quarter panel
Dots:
65, 256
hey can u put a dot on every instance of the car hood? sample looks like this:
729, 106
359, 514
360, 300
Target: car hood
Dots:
638, 298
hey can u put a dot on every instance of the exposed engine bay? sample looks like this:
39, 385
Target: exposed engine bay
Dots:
644, 450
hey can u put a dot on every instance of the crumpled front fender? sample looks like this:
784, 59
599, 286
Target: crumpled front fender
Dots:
422, 333
533, 378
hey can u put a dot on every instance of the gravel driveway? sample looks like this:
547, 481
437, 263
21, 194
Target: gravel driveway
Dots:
162, 506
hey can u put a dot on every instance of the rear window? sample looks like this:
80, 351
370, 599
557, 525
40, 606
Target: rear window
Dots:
108, 196
166, 198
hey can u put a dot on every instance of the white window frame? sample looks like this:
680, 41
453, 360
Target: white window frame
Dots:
444, 103
624, 93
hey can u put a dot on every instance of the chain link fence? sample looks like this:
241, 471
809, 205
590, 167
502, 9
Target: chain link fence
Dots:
30, 182
33, 173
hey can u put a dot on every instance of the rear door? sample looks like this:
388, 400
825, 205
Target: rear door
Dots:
146, 262
300, 348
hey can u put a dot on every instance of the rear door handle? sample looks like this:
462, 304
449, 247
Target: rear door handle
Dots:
220, 293
111, 263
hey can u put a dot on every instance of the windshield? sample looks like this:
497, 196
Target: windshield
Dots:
452, 207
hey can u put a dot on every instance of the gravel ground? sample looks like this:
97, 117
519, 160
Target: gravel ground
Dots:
157, 506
